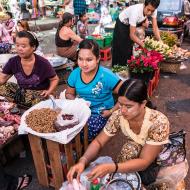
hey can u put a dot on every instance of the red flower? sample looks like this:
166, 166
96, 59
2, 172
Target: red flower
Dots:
145, 61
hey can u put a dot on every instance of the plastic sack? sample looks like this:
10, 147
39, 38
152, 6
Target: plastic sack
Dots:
172, 175
56, 60
74, 186
82, 112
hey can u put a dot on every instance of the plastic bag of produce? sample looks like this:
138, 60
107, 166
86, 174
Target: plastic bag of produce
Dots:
77, 107
73, 186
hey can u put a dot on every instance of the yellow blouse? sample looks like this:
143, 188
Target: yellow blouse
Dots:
154, 131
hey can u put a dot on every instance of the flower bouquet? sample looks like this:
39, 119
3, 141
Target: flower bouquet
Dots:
144, 64
158, 46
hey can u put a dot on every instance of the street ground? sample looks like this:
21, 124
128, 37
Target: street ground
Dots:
172, 97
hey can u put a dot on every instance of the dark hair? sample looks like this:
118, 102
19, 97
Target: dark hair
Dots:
33, 41
81, 15
65, 19
92, 45
111, 5
134, 90
10, 14
154, 3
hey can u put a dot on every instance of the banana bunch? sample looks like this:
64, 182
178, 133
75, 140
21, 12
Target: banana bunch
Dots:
169, 38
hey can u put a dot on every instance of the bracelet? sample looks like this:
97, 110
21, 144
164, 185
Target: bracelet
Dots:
116, 168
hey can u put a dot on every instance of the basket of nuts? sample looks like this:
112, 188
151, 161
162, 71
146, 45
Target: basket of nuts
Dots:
60, 126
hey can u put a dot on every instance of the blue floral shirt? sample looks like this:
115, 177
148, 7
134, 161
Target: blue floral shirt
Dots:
98, 91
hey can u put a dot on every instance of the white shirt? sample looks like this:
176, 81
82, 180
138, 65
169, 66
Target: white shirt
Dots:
69, 7
133, 15
186, 7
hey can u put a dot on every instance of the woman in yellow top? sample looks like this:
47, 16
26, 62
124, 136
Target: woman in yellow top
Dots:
145, 130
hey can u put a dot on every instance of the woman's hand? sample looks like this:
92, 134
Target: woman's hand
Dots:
106, 113
45, 93
78, 169
101, 170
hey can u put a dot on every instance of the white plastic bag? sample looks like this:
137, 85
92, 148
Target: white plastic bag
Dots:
74, 186
77, 107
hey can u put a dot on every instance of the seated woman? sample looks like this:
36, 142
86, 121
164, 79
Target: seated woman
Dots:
22, 25
5, 40
95, 84
31, 71
65, 39
145, 131
9, 24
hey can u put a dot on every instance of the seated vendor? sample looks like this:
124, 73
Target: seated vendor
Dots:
145, 131
66, 40
5, 40
95, 84
9, 23
31, 71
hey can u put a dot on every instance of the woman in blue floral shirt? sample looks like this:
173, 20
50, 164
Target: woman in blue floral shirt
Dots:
95, 84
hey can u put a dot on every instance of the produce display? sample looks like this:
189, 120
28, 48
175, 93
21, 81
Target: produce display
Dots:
158, 46
9, 120
178, 54
42, 120
169, 38
122, 71
47, 120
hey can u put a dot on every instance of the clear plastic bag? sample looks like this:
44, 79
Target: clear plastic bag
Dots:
73, 186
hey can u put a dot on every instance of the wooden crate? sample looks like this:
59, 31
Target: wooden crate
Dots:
47, 158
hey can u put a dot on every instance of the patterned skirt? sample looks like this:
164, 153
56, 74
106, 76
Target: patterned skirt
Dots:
95, 125
5, 47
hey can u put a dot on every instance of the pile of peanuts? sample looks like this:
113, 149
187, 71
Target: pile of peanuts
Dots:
42, 120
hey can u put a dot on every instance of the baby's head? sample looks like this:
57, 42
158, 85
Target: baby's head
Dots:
145, 23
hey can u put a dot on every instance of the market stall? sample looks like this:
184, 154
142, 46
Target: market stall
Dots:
54, 136
10, 144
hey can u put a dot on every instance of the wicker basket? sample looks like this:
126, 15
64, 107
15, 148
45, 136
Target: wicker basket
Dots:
170, 67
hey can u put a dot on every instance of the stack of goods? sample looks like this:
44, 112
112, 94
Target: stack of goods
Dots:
9, 120
46, 120
102, 40
178, 54
121, 71
20, 96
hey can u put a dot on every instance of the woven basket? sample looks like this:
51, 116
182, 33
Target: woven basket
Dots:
170, 67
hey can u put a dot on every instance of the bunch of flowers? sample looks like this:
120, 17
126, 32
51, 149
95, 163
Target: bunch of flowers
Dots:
158, 46
145, 61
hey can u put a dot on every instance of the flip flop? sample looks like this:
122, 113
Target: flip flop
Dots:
22, 181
